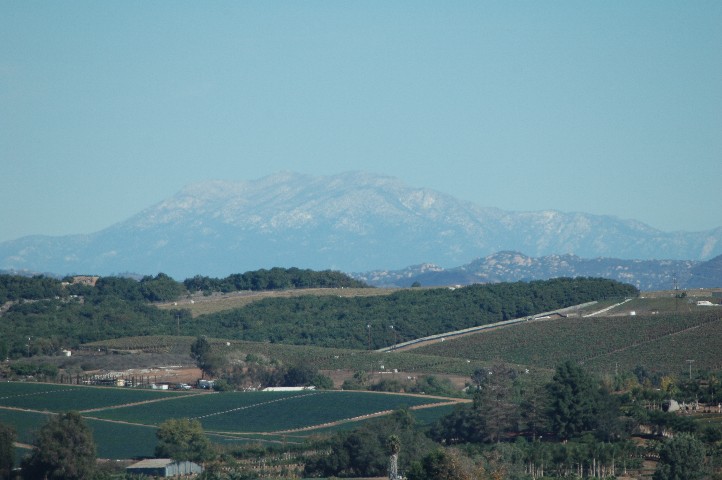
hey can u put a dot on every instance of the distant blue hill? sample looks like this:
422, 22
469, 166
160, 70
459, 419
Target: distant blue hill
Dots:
353, 222
515, 266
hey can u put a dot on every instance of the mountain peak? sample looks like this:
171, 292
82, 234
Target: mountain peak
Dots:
353, 221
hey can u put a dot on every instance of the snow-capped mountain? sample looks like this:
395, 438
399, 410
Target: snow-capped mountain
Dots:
351, 222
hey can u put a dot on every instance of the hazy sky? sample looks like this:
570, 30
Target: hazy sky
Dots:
610, 107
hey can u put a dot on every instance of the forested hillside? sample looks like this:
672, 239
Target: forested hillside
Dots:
164, 288
375, 322
42, 315
273, 279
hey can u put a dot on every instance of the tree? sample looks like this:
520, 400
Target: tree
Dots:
494, 400
681, 458
492, 414
300, 375
322, 382
7, 451
609, 424
573, 400
464, 424
64, 449
364, 452
201, 353
393, 444
446, 464
359, 382
162, 288
183, 439
357, 453
534, 402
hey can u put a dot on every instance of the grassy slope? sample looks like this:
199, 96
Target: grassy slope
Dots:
322, 358
202, 305
664, 331
663, 334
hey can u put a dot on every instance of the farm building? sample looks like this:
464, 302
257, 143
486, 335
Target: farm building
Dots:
163, 467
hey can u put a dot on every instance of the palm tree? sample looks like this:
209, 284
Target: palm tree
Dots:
393, 445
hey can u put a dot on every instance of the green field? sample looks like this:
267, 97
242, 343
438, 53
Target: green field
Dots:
205, 408
124, 421
113, 440
236, 412
25, 423
60, 398
424, 417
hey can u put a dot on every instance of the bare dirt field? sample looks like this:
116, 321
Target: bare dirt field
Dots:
160, 374
339, 376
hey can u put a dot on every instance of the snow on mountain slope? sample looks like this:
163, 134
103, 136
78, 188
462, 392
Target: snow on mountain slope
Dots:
353, 221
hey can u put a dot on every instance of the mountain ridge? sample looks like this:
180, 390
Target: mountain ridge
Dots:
354, 221
510, 266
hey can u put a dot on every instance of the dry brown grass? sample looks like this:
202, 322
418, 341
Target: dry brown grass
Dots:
202, 304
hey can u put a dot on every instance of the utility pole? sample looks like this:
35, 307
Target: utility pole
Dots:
368, 327
690, 368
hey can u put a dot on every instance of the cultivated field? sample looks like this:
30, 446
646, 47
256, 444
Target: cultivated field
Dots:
113, 440
659, 332
265, 412
61, 398
661, 341
116, 415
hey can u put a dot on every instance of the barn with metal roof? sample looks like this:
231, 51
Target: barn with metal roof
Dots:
163, 467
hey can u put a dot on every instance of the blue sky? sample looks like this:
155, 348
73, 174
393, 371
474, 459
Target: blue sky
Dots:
608, 107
